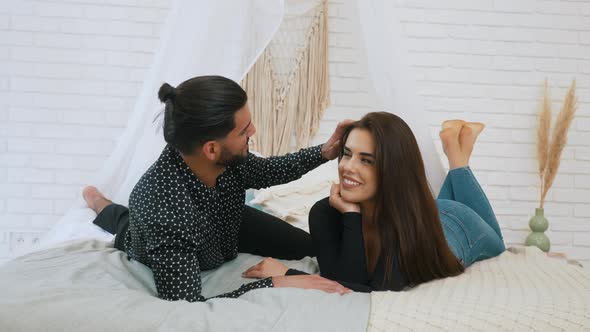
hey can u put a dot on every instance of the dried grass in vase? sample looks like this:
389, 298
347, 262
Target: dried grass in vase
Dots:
550, 145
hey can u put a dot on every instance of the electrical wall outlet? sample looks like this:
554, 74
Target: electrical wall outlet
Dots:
21, 242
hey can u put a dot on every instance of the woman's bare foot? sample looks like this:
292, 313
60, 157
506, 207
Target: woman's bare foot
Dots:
453, 124
469, 134
95, 199
449, 136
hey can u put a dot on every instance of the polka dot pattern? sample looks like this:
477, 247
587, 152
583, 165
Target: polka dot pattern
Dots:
178, 226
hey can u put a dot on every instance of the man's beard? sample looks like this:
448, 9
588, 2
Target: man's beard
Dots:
230, 160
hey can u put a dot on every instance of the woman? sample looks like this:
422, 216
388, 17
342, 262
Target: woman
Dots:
381, 228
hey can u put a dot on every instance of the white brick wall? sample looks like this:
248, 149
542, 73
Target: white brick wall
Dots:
485, 60
69, 74
70, 70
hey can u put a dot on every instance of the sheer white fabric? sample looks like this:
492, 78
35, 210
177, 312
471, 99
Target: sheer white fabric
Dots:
391, 77
200, 37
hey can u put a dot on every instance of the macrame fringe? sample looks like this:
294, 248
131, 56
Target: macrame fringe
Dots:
281, 113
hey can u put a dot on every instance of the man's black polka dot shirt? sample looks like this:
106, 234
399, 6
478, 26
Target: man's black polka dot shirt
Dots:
178, 226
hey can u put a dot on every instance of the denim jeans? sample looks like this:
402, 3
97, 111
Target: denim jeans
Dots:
467, 218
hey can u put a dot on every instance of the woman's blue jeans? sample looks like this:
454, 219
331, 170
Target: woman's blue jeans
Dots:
467, 218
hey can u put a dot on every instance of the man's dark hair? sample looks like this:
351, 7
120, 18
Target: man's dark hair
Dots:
199, 110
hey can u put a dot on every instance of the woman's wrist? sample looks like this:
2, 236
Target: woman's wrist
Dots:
355, 209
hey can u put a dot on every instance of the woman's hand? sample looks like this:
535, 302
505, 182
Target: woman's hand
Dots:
310, 281
337, 202
268, 267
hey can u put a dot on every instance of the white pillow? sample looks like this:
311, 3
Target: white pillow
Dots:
292, 201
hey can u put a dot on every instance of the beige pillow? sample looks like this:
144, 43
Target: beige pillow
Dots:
292, 201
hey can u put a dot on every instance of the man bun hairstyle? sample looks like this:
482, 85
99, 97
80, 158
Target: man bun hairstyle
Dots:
166, 92
200, 109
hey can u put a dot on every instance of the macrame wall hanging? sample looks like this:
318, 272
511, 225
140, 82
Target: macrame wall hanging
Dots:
288, 87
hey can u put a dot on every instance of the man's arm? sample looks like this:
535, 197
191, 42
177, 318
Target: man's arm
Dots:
266, 172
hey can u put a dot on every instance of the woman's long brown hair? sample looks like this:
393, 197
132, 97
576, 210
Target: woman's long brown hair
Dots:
406, 214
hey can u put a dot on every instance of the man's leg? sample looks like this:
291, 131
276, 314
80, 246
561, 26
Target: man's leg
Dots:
114, 218
111, 217
266, 235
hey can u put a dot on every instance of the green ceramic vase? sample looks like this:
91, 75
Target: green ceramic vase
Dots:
538, 225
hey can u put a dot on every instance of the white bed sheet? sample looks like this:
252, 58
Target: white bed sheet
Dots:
90, 286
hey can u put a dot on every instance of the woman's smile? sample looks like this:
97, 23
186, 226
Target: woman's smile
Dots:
349, 183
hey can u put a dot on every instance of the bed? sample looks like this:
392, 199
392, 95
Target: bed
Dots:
90, 286
85, 284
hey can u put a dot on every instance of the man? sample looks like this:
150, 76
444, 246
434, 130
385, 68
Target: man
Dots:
187, 213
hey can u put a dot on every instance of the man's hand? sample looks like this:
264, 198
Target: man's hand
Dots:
268, 267
331, 149
310, 281
337, 202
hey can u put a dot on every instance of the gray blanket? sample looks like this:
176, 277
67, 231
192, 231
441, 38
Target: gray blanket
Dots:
89, 286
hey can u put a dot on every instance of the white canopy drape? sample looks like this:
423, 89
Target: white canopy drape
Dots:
390, 74
200, 37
